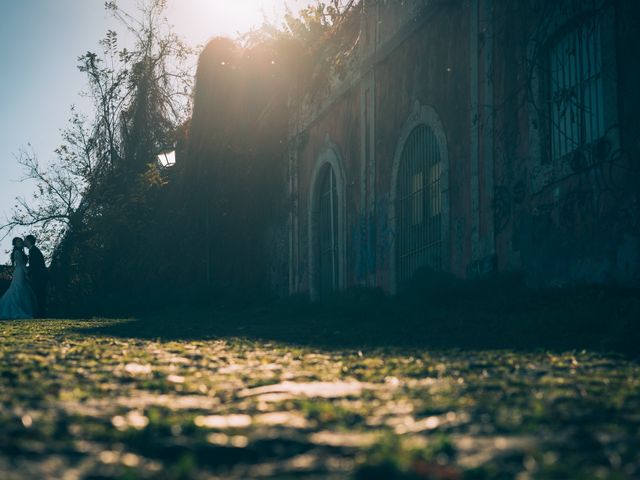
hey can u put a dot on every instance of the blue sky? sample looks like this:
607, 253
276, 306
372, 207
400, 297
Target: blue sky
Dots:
40, 41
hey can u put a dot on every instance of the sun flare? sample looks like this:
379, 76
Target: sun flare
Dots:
203, 19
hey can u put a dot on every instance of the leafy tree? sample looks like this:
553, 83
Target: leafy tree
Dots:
101, 192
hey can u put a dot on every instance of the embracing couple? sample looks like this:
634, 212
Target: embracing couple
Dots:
26, 296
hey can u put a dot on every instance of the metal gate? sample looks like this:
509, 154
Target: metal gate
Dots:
327, 252
419, 221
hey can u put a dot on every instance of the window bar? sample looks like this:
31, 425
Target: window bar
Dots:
553, 104
578, 133
438, 200
409, 213
578, 108
333, 232
430, 188
556, 104
407, 201
422, 225
565, 83
420, 203
587, 82
437, 188
578, 78
590, 37
427, 162
415, 225
424, 218
560, 100
419, 181
595, 88
425, 158
585, 87
596, 105
403, 215
593, 82
572, 133
400, 223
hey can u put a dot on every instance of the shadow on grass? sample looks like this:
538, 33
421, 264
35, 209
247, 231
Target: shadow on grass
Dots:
433, 312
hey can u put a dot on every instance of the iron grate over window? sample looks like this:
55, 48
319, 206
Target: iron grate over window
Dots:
327, 232
576, 89
419, 198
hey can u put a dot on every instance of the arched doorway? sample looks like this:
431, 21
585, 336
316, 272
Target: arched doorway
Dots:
420, 212
327, 248
326, 226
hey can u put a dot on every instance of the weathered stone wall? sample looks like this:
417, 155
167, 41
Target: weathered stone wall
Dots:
574, 219
419, 62
509, 209
338, 128
430, 68
473, 70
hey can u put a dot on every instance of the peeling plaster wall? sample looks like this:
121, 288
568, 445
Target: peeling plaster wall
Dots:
429, 68
565, 222
339, 126
399, 83
508, 209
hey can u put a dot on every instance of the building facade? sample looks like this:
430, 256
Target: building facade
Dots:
471, 136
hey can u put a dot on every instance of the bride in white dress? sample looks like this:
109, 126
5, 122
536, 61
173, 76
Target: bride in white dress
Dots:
19, 300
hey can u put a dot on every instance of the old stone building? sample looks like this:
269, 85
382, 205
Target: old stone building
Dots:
471, 137
463, 136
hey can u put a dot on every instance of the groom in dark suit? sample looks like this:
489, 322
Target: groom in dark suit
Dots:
37, 275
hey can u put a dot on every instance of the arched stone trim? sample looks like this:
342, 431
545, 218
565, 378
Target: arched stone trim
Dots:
421, 115
330, 156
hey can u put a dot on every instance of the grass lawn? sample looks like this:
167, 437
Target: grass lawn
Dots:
257, 393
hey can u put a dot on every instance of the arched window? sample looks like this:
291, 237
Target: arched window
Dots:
327, 252
326, 224
420, 222
576, 88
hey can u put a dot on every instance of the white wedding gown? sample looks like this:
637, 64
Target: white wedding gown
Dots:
19, 300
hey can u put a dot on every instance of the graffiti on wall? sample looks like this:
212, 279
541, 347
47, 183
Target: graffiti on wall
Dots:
580, 217
375, 237
594, 188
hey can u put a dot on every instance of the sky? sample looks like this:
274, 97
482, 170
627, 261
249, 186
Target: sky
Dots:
40, 41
